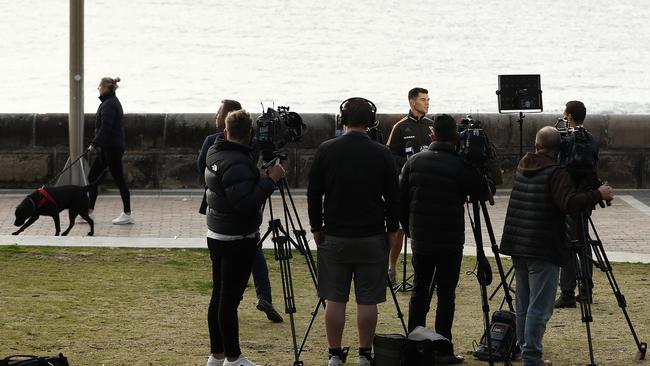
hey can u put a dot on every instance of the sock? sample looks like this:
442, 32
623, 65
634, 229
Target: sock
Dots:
365, 352
336, 352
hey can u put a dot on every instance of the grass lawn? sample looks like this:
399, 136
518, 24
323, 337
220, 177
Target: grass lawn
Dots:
148, 307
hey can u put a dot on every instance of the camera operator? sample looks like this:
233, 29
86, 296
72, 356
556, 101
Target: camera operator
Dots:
433, 187
534, 236
356, 176
236, 193
574, 114
260, 268
409, 136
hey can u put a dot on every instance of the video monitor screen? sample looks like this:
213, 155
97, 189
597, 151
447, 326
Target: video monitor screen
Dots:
518, 93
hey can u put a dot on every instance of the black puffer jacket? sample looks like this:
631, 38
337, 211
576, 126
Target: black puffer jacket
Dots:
109, 123
236, 191
433, 187
543, 193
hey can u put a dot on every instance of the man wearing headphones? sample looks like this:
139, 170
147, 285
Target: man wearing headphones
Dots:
409, 136
354, 225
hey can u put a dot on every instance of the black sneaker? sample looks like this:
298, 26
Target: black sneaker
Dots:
269, 310
565, 301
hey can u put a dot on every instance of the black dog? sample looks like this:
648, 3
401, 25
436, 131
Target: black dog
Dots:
51, 201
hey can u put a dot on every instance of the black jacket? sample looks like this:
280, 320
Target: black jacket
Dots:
109, 123
236, 191
542, 195
412, 134
434, 185
356, 176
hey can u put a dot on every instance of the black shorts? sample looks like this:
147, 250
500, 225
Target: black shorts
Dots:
339, 259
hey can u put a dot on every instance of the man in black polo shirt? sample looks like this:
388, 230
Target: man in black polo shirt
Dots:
409, 136
433, 188
356, 177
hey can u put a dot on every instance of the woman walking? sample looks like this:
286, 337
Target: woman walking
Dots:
108, 144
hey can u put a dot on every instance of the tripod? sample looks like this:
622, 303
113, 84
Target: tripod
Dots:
404, 286
483, 270
282, 243
580, 258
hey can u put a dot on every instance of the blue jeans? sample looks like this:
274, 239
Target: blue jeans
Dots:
261, 277
535, 297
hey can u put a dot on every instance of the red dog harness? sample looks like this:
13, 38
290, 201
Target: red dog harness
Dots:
45, 197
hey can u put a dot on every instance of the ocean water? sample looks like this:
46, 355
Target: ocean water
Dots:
185, 56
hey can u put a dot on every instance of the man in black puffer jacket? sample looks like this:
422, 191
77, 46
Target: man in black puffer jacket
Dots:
236, 194
433, 188
534, 235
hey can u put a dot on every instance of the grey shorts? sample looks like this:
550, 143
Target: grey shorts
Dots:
341, 259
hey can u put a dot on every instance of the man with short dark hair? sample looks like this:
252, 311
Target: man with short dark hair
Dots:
434, 186
575, 113
260, 268
409, 136
236, 193
534, 236
352, 203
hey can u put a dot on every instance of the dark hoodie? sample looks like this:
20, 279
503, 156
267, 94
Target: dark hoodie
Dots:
543, 193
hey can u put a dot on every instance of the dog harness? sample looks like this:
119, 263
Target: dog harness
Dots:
45, 197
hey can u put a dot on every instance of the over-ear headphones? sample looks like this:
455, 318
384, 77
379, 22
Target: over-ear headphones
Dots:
368, 110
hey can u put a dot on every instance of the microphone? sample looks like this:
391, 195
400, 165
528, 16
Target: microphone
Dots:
408, 149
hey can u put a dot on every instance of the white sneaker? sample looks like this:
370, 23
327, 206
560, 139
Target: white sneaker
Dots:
241, 361
213, 361
335, 361
123, 219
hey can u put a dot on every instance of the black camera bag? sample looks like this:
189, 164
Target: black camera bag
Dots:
24, 360
397, 350
503, 337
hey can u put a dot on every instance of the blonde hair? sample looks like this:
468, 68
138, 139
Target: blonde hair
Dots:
111, 82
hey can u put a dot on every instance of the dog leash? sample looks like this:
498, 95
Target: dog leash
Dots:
66, 169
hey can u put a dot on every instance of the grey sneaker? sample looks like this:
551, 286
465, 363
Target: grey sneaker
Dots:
213, 361
335, 361
364, 361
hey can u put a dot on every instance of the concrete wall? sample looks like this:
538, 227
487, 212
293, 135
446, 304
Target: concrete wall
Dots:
162, 148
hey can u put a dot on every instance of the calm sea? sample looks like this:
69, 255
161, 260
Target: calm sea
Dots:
184, 56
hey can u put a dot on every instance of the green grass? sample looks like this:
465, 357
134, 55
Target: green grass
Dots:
148, 307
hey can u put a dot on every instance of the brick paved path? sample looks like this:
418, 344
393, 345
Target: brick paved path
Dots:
623, 227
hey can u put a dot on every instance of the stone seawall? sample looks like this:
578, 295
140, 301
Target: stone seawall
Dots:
162, 148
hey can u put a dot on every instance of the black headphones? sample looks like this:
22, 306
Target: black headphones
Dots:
371, 111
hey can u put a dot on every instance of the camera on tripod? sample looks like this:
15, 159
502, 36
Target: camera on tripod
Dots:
276, 128
579, 154
474, 146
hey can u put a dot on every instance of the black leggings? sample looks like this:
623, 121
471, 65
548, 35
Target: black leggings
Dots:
231, 267
111, 160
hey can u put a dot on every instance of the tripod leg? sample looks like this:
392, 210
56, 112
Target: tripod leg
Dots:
400, 315
603, 263
404, 286
497, 258
301, 243
482, 277
580, 255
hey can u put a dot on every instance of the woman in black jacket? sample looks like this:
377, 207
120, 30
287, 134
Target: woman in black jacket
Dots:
109, 146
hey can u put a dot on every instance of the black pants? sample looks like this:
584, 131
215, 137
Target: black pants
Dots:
111, 160
446, 266
231, 267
